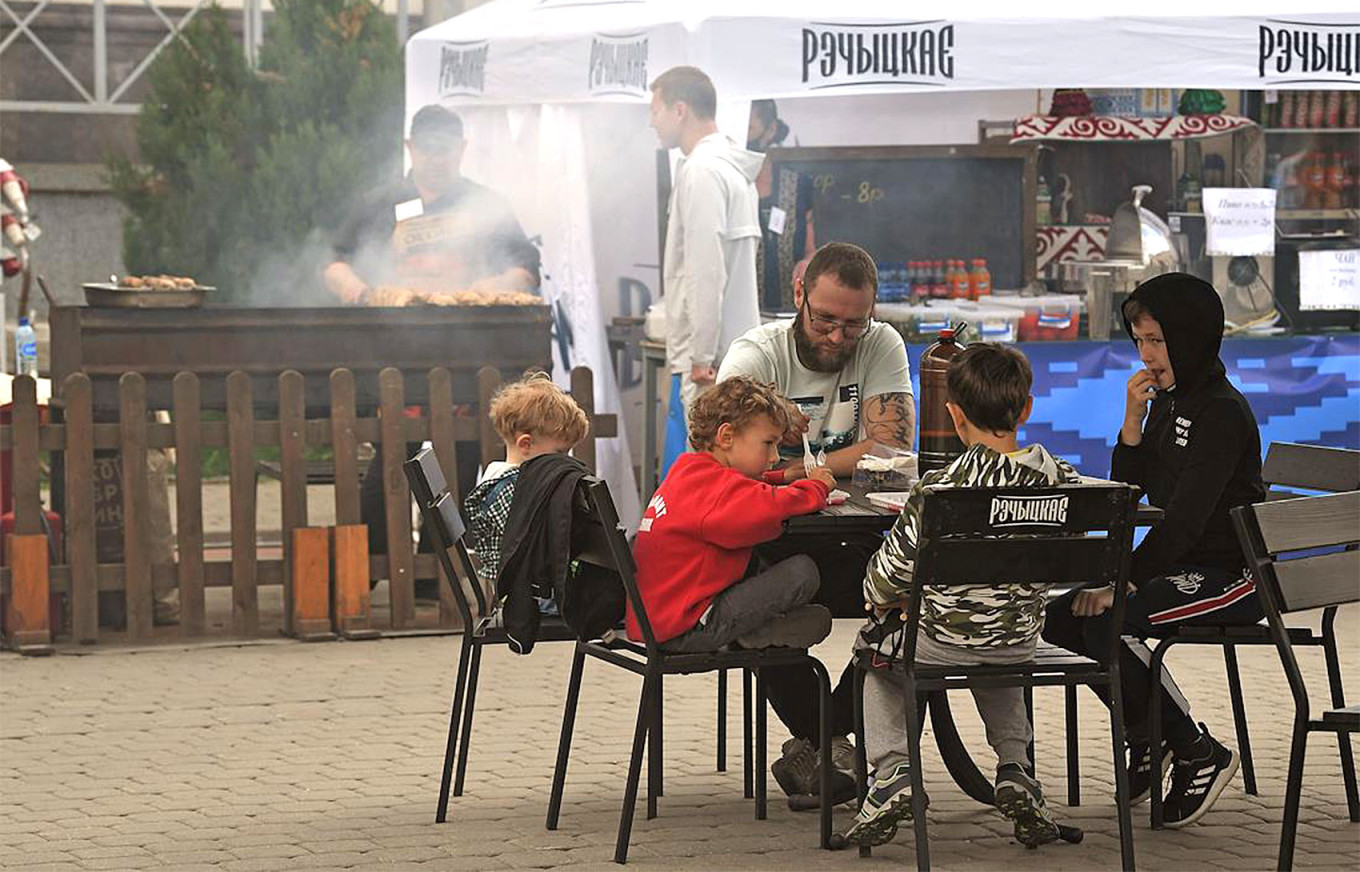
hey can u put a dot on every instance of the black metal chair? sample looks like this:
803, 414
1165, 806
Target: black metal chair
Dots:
1271, 533
1071, 534
598, 539
1287, 465
443, 519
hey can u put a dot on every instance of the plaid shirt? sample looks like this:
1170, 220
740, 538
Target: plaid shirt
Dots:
489, 508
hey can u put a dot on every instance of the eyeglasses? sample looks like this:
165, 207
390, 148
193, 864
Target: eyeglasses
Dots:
824, 326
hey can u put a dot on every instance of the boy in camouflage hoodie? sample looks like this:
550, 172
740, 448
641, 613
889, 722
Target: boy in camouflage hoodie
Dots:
989, 399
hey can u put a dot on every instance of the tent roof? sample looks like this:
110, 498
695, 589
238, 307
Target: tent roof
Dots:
534, 51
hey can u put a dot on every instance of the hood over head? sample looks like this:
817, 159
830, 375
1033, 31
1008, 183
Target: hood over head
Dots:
718, 146
1190, 312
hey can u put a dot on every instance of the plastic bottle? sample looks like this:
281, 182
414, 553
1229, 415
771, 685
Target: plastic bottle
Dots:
1315, 181
939, 286
939, 444
980, 279
25, 349
1336, 182
958, 284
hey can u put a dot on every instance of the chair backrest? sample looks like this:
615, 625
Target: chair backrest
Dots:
1311, 467
1067, 534
439, 508
1271, 532
599, 539
1321, 577
1004, 535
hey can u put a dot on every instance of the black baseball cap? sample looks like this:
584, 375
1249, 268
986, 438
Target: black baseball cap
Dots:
436, 127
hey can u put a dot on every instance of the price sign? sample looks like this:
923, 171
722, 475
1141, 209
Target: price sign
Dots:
1329, 279
1239, 221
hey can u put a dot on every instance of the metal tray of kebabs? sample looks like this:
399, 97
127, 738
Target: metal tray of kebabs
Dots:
146, 292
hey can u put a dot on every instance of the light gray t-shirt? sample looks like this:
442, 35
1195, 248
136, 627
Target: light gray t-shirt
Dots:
831, 400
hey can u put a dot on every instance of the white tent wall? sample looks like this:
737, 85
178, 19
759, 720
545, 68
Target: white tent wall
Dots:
536, 156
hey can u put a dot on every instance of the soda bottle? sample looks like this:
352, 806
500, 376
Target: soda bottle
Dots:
938, 287
25, 349
939, 444
980, 280
958, 285
1336, 182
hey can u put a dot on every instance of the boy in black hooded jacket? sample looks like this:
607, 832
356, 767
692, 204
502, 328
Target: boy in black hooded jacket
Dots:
1198, 456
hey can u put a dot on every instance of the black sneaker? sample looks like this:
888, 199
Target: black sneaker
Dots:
1140, 770
1197, 782
887, 803
796, 769
1020, 798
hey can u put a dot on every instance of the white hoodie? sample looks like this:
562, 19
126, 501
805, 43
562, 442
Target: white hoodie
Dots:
710, 267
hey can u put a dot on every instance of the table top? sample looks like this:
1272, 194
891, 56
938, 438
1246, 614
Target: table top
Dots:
855, 514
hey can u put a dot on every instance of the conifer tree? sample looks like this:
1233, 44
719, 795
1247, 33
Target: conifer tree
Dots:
243, 174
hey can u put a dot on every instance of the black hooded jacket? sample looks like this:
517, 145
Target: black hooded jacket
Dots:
1201, 449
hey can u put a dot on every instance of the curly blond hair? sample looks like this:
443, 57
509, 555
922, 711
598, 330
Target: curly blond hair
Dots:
737, 401
536, 406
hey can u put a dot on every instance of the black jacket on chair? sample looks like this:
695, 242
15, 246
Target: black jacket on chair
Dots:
537, 557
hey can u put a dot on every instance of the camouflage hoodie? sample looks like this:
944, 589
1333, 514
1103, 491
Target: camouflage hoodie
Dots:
968, 616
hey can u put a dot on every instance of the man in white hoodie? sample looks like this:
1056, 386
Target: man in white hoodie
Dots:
711, 236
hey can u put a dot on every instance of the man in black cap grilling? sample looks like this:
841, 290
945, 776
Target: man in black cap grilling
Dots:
433, 230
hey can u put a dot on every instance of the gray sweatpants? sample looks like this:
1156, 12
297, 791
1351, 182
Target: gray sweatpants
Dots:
751, 603
1002, 708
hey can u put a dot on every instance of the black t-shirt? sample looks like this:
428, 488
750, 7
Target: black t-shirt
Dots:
469, 233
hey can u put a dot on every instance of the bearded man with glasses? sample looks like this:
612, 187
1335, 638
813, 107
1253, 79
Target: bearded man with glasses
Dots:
847, 377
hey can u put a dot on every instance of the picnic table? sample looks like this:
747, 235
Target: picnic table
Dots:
858, 514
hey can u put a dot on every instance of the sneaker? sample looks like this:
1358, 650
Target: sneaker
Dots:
1196, 782
796, 769
1140, 770
843, 754
799, 627
1020, 798
887, 804
842, 778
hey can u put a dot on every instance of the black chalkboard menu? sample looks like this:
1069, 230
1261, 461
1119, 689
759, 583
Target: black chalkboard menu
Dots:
905, 203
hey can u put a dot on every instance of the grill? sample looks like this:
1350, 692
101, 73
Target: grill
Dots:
213, 342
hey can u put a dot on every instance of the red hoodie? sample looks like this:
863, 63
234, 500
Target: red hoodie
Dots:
695, 538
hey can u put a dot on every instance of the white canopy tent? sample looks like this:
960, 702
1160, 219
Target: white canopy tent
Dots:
554, 96
552, 51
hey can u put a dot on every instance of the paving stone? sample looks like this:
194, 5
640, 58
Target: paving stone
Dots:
327, 757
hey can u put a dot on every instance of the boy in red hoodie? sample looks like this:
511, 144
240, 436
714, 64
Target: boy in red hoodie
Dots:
694, 543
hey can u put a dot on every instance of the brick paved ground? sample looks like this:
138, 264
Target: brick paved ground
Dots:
289, 756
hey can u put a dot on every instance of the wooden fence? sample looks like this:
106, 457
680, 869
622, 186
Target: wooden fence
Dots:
325, 571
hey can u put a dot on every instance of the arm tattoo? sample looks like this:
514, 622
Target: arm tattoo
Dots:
891, 419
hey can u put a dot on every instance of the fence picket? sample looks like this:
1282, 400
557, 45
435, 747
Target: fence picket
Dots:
189, 503
245, 612
583, 391
78, 523
27, 490
445, 448
137, 590
344, 447
396, 498
488, 381
292, 476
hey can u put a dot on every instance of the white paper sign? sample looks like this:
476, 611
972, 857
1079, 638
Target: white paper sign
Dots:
1240, 221
1329, 279
777, 219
